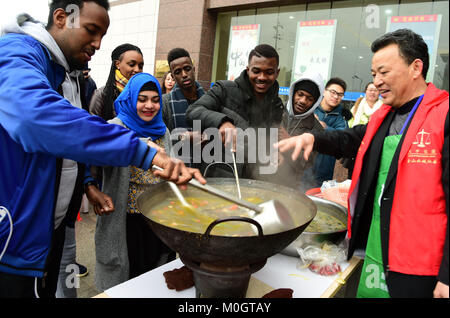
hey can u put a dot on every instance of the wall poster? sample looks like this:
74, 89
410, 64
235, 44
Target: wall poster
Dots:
243, 39
428, 26
314, 47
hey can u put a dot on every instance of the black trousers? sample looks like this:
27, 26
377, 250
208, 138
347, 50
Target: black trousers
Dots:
17, 286
410, 286
145, 250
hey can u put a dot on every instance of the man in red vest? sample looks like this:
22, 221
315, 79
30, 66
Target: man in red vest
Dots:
399, 197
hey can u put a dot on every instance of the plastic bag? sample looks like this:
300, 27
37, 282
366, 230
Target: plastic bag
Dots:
336, 191
323, 259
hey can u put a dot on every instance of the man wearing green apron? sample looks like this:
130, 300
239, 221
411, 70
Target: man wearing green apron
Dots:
372, 283
399, 197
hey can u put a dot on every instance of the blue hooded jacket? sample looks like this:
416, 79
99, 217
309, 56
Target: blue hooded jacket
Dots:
37, 126
323, 169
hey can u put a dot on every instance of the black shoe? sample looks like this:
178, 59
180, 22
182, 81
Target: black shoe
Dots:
83, 271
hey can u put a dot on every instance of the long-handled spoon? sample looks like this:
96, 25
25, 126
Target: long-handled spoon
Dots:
272, 215
236, 176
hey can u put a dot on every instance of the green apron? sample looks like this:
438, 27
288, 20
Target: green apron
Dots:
372, 283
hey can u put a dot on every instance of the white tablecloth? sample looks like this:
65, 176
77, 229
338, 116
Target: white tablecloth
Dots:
280, 271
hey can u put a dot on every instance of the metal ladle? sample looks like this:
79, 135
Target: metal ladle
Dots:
272, 215
236, 173
180, 196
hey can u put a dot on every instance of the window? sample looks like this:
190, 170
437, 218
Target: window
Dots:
359, 23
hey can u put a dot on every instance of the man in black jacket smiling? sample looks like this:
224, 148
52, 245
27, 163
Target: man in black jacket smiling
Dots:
250, 101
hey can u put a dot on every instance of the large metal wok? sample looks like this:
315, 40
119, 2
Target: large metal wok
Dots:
226, 250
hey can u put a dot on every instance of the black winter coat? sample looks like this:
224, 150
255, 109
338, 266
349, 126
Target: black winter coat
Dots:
235, 102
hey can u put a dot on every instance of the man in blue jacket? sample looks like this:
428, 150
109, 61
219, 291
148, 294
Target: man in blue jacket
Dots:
329, 113
45, 138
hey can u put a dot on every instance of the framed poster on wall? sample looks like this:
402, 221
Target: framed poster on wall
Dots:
314, 45
243, 39
428, 26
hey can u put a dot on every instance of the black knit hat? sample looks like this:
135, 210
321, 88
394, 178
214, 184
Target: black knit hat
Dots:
310, 87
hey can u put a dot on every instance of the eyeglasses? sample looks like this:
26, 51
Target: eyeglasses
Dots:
334, 93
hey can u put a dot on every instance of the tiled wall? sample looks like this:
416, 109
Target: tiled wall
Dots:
188, 24
132, 21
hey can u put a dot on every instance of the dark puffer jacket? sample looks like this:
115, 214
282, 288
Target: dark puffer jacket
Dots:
234, 101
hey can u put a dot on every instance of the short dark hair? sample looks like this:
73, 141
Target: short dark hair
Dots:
264, 50
63, 4
337, 81
176, 53
411, 46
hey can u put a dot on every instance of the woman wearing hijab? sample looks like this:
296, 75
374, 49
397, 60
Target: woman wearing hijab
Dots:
127, 60
125, 245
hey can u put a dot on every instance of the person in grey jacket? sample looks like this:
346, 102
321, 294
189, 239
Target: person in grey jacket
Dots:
250, 101
298, 118
125, 245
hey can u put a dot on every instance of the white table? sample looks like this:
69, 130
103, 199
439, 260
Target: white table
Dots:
280, 271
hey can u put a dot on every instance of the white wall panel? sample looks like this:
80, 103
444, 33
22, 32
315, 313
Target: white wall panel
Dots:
134, 22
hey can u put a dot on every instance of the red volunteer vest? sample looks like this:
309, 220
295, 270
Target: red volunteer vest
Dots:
418, 218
